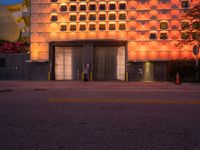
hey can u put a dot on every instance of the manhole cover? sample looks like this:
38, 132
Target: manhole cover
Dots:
40, 89
6, 90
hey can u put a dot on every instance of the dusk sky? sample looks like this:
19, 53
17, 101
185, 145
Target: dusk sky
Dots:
10, 2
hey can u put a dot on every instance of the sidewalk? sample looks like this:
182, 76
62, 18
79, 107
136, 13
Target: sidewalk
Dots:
97, 85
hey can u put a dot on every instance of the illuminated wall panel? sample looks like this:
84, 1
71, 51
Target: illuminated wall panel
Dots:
132, 20
153, 55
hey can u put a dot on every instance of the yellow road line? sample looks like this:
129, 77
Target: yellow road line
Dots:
113, 100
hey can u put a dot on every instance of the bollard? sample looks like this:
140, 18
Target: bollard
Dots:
82, 76
91, 77
49, 76
126, 76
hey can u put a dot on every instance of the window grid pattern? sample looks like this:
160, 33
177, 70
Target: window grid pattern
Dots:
118, 11
99, 12
137, 21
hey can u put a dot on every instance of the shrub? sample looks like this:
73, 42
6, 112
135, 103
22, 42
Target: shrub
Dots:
16, 47
186, 69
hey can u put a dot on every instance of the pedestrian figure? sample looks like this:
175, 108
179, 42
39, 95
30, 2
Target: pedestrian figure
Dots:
85, 73
140, 73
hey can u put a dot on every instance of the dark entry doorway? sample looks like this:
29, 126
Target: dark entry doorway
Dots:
109, 63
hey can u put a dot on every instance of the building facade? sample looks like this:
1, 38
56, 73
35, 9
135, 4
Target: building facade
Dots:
108, 39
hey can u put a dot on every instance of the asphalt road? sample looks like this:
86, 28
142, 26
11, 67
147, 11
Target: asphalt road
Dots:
40, 115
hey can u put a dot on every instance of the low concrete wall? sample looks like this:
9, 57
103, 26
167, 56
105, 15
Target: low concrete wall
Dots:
16, 67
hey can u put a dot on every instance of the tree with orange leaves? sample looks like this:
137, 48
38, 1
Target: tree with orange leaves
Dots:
191, 27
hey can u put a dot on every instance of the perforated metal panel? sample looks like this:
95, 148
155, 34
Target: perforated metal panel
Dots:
109, 63
68, 63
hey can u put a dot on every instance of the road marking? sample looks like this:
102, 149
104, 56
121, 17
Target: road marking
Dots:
142, 90
113, 100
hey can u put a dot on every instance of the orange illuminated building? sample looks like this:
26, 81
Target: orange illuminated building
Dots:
138, 36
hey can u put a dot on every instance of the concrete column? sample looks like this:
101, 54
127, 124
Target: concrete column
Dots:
148, 71
88, 55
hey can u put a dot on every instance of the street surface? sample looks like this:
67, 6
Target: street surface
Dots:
66, 115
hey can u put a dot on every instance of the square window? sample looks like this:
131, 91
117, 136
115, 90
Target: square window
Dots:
152, 36
63, 8
54, 18
112, 7
163, 25
184, 35
102, 27
92, 27
196, 36
163, 36
122, 6
72, 27
111, 26
184, 25
82, 17
102, 7
63, 27
92, 7
82, 7
112, 17
73, 18
185, 4
82, 27
73, 7
196, 25
2, 62
102, 17
122, 16
92, 17
122, 26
